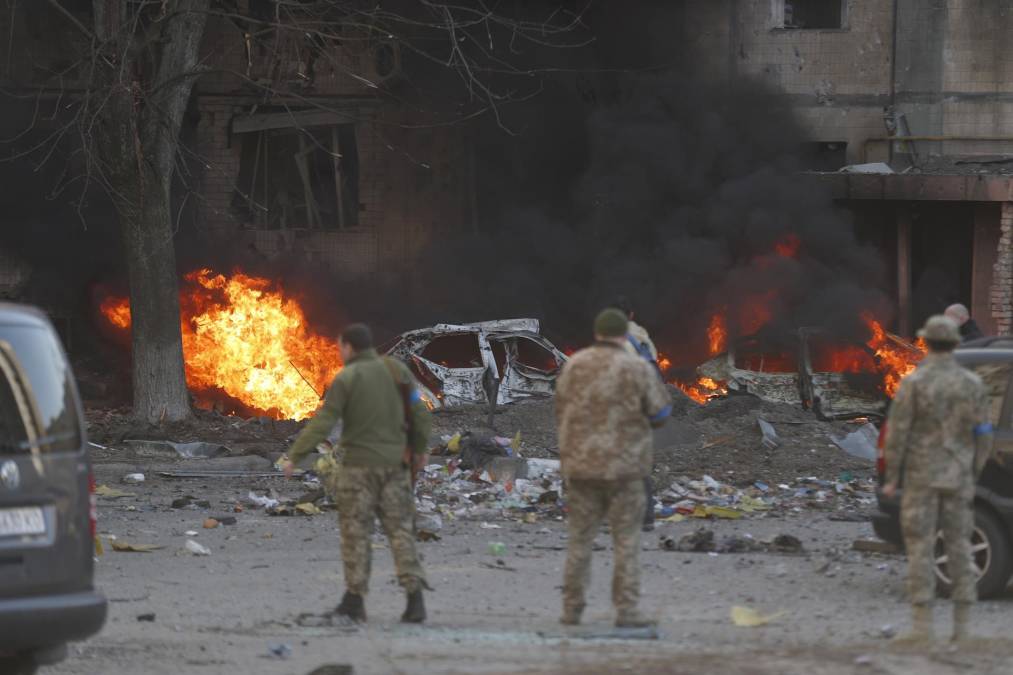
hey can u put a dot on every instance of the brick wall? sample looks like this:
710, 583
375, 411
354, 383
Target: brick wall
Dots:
412, 183
1002, 279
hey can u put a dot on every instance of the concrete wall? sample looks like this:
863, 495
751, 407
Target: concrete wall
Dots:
953, 73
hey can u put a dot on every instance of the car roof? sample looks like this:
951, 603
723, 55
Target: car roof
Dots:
12, 314
979, 355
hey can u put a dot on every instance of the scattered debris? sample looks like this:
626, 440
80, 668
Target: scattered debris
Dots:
497, 548
149, 617
197, 549
264, 502
279, 651
111, 493
210, 523
770, 440
702, 540
308, 509
134, 478
126, 547
874, 546
749, 618
151, 448
191, 533
860, 443
888, 631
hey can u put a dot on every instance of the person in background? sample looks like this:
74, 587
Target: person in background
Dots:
969, 329
638, 343
606, 403
384, 438
938, 438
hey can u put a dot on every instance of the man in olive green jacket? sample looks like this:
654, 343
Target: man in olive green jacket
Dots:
369, 397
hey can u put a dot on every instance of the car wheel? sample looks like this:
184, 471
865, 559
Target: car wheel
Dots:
21, 664
991, 559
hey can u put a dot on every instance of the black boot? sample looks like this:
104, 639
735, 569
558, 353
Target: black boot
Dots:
353, 607
415, 611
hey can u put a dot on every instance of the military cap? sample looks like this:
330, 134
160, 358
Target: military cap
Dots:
611, 323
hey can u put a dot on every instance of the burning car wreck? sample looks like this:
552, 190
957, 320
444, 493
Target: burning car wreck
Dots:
834, 378
488, 362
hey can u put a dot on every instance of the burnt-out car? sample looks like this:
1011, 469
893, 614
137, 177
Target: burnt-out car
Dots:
47, 513
992, 537
459, 364
834, 377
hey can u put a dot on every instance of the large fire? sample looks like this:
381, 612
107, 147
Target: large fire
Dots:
882, 354
242, 336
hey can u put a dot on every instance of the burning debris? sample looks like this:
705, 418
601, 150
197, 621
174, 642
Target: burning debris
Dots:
500, 361
246, 345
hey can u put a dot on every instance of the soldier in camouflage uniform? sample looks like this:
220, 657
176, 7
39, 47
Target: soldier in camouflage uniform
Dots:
606, 402
936, 423
374, 479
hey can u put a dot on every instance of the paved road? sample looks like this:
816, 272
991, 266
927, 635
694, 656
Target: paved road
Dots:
221, 614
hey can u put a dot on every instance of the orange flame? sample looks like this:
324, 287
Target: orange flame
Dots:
248, 340
117, 311
895, 358
717, 334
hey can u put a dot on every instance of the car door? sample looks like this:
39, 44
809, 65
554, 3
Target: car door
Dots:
454, 357
528, 365
45, 530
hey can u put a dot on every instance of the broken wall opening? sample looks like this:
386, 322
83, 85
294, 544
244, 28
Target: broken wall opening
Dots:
297, 177
942, 249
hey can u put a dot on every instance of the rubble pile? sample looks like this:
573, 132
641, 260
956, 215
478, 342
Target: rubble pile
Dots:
709, 498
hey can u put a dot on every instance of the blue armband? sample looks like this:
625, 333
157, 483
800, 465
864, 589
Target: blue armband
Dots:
983, 429
415, 397
662, 414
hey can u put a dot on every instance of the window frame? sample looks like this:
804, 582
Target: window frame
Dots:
777, 19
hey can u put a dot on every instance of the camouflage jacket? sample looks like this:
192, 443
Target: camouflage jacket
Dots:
606, 403
366, 399
931, 427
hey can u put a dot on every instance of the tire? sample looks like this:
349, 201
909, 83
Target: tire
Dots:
991, 552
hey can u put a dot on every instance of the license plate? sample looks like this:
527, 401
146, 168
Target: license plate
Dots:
18, 522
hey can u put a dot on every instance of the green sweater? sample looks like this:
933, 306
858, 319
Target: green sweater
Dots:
366, 398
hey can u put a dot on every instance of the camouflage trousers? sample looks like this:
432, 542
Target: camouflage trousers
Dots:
925, 511
364, 494
588, 502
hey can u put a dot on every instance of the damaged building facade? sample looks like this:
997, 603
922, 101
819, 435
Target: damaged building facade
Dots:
860, 76
289, 148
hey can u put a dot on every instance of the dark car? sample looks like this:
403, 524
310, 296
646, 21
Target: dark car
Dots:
992, 538
47, 512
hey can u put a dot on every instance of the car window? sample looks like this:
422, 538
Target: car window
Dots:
13, 431
49, 376
457, 350
533, 355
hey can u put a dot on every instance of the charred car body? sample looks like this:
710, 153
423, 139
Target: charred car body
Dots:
491, 361
835, 379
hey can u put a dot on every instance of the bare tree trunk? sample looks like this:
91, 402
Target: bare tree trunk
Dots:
138, 134
160, 392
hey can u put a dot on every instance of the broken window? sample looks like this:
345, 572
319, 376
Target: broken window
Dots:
533, 355
293, 178
824, 156
460, 350
814, 14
